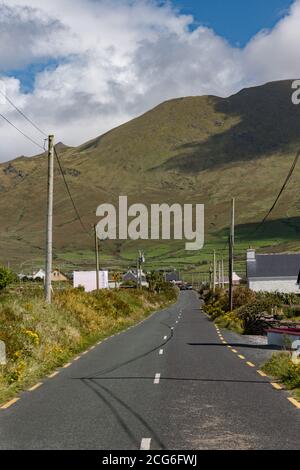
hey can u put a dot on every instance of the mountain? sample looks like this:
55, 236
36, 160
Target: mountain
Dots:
196, 149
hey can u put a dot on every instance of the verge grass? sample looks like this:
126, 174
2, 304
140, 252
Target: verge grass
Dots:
41, 337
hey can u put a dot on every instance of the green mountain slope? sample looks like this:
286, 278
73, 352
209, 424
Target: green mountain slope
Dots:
196, 149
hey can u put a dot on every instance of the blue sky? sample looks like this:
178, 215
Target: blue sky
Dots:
236, 20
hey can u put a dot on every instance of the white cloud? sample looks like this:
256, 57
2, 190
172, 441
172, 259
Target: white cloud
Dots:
119, 58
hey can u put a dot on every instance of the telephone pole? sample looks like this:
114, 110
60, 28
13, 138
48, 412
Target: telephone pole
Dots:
223, 279
231, 245
48, 287
214, 272
97, 258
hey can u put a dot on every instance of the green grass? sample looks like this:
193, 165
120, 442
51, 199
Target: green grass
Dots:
40, 337
281, 367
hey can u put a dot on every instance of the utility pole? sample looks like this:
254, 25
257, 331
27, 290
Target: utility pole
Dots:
214, 272
97, 258
231, 245
48, 287
210, 276
223, 279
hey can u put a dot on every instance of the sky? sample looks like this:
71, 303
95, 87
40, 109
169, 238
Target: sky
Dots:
236, 20
78, 68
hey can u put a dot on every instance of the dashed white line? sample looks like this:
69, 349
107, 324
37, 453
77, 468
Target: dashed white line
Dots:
161, 351
53, 375
35, 387
157, 379
165, 337
145, 444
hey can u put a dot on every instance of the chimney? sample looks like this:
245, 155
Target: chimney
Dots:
251, 255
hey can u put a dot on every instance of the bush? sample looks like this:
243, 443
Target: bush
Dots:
253, 316
242, 296
292, 312
282, 367
7, 277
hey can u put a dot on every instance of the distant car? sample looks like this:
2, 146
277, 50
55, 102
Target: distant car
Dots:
189, 287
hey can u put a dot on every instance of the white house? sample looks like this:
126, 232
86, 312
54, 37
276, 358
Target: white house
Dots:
40, 274
273, 272
88, 280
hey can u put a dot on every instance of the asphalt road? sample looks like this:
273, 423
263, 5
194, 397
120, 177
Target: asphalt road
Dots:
163, 385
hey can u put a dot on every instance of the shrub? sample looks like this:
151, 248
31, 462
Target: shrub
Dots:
253, 316
243, 295
281, 366
7, 277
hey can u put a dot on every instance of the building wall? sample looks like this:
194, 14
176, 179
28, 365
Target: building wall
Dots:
88, 280
288, 286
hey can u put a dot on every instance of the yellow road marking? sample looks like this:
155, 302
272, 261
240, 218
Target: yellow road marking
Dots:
241, 357
228, 346
235, 351
67, 365
250, 364
224, 342
295, 402
276, 386
9, 403
35, 387
260, 372
53, 375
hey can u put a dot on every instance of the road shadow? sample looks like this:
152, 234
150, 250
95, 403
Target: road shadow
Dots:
101, 391
264, 347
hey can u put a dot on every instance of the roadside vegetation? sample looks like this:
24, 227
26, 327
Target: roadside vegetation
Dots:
253, 313
40, 337
284, 369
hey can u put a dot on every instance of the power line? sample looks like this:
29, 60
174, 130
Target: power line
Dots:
22, 114
70, 195
21, 132
281, 190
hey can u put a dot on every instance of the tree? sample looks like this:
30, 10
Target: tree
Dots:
155, 280
117, 278
6, 277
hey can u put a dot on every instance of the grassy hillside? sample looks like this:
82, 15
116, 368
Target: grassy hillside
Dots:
196, 149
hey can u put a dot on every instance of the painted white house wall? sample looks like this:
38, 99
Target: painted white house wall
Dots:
286, 286
88, 280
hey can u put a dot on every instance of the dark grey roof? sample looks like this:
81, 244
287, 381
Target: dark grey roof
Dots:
281, 265
173, 277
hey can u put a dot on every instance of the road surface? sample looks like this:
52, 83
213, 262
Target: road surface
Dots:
169, 383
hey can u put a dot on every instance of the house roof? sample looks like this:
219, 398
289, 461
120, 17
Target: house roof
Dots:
274, 265
175, 276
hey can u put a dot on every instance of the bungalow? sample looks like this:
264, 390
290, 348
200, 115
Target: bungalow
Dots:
273, 272
131, 276
56, 276
173, 277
